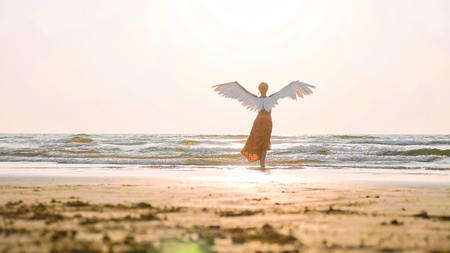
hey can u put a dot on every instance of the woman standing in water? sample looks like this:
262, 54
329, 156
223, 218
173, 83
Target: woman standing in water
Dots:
259, 140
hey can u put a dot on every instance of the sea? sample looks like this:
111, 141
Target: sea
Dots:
424, 153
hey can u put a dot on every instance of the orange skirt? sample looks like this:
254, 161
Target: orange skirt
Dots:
259, 139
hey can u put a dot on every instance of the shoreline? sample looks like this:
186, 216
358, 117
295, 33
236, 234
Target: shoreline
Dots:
399, 177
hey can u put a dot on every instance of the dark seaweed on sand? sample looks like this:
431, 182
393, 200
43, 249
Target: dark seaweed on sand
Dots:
238, 213
424, 215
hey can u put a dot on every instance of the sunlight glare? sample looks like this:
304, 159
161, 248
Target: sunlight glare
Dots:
253, 16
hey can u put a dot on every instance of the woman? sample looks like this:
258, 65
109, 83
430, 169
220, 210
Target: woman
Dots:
259, 140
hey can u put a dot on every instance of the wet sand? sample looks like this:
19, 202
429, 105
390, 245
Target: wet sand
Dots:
246, 210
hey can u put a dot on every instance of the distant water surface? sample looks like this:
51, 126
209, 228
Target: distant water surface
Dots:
408, 152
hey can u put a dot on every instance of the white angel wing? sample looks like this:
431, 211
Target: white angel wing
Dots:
290, 91
236, 91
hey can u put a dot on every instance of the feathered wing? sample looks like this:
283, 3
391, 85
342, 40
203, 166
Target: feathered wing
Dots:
291, 91
236, 91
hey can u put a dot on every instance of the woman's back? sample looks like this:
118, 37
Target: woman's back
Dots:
264, 114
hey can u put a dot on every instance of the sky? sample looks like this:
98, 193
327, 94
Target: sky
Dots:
380, 67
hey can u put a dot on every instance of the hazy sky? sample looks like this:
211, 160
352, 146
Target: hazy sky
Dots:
147, 66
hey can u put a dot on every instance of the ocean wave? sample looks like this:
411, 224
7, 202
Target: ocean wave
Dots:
333, 151
400, 142
223, 136
80, 138
162, 149
190, 142
364, 137
25, 153
302, 150
289, 156
130, 143
295, 161
419, 152
304, 163
437, 168
119, 156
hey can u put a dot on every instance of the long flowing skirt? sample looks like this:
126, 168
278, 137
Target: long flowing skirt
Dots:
259, 139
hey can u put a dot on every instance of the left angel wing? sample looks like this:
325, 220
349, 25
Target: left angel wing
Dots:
236, 91
291, 91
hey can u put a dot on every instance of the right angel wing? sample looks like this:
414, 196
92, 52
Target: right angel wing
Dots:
291, 91
236, 91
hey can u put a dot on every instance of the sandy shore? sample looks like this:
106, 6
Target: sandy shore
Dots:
245, 210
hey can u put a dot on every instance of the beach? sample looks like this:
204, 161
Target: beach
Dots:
142, 126
197, 193
233, 210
